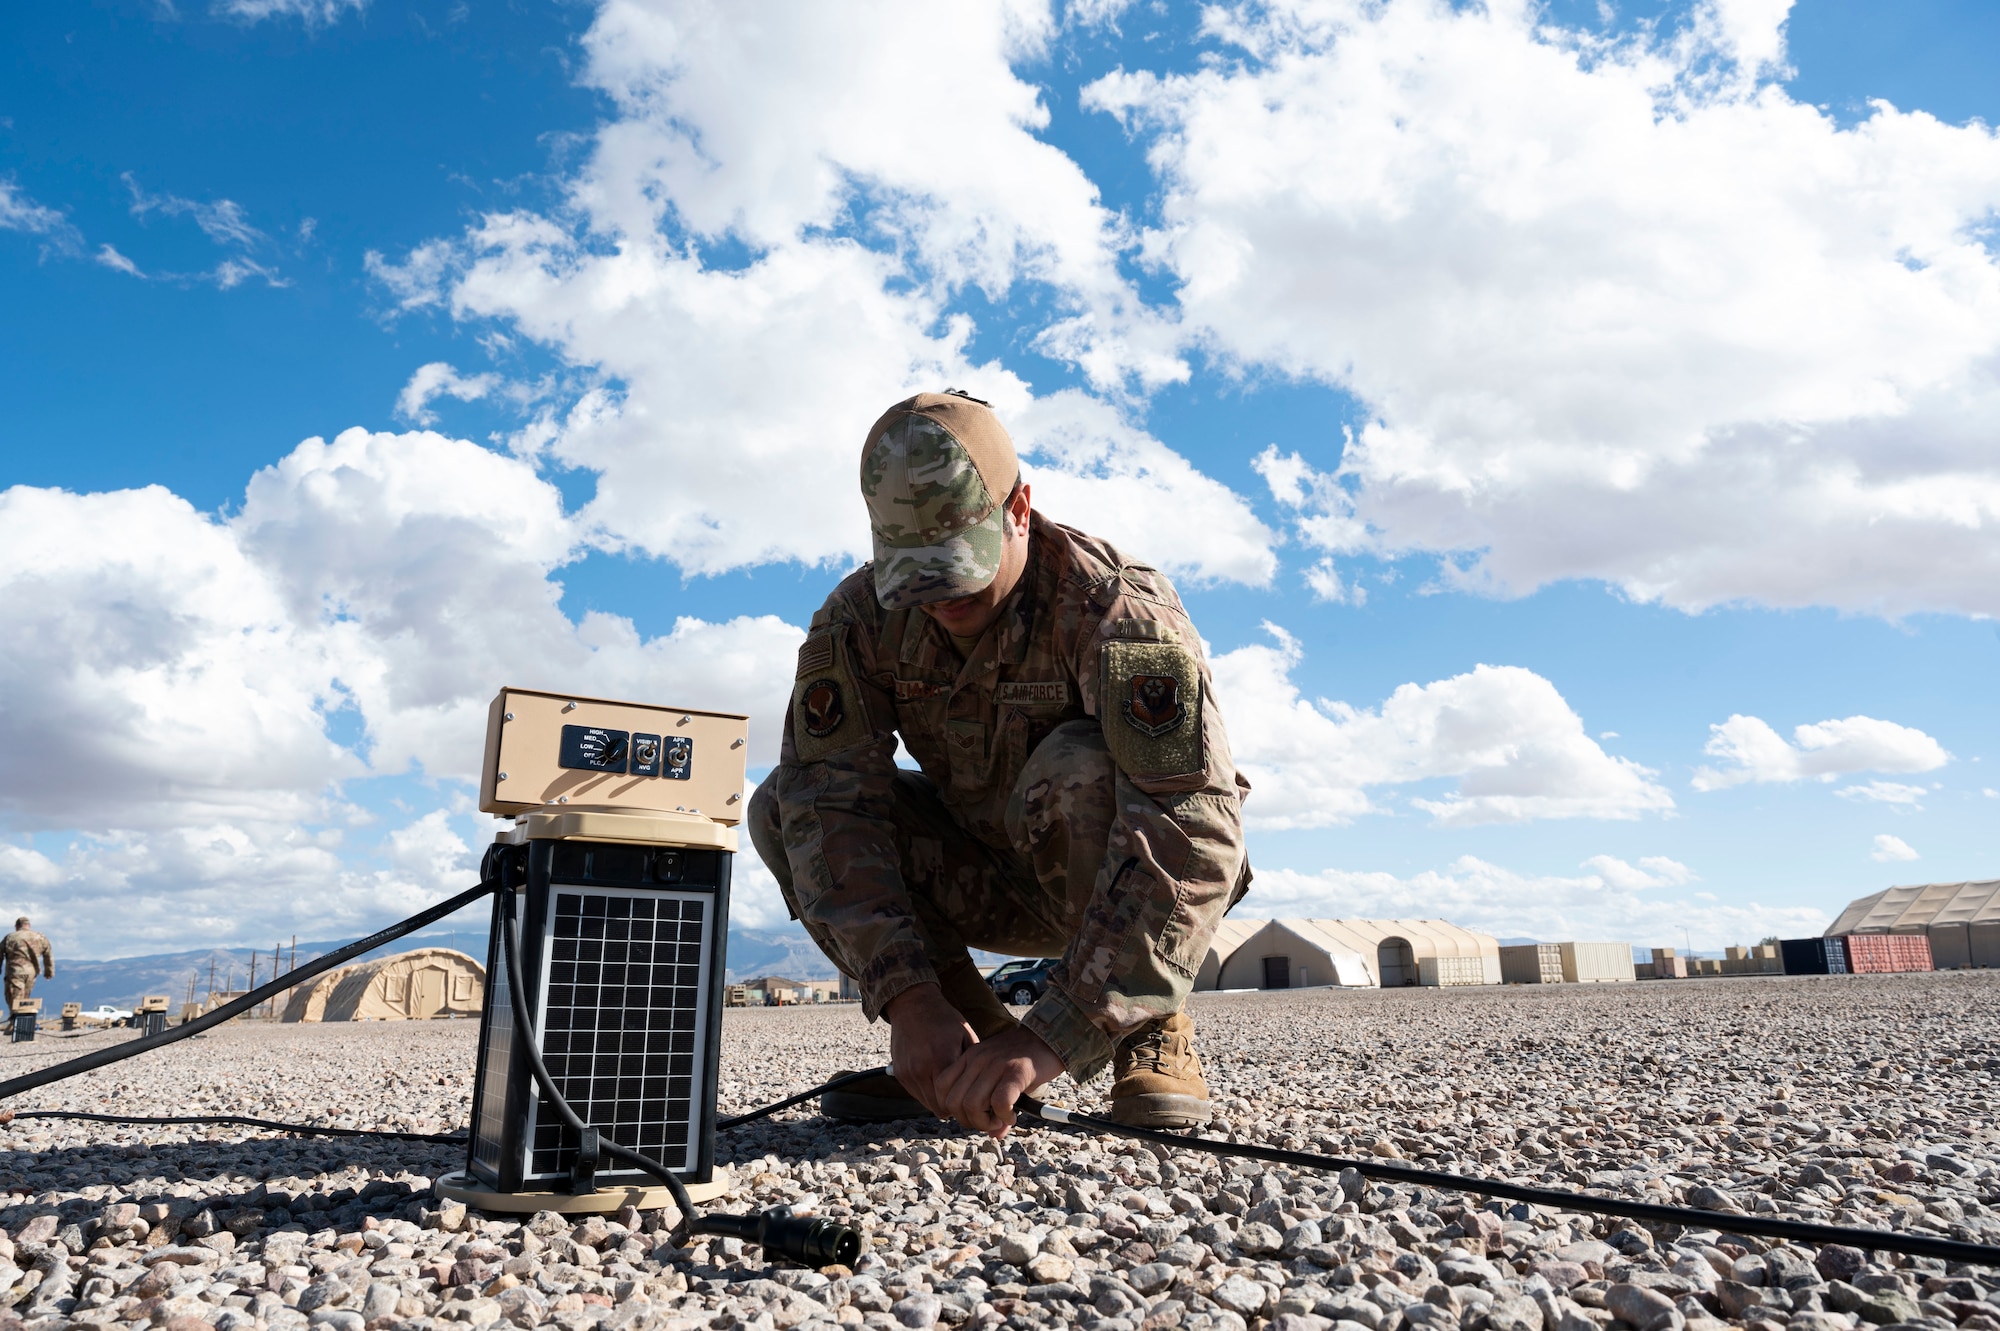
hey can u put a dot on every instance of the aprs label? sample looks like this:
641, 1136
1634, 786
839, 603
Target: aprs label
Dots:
678, 759
594, 749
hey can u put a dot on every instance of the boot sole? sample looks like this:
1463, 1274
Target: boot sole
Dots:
850, 1108
1161, 1111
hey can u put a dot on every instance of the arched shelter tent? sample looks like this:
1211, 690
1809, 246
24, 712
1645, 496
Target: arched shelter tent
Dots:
1293, 954
410, 986
1229, 935
1962, 920
1386, 953
308, 1001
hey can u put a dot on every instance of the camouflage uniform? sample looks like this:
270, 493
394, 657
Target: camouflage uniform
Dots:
1076, 798
26, 953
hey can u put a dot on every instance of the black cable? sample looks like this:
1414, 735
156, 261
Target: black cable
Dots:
530, 1049
1916, 1245
305, 1129
809, 1240
846, 1079
28, 1081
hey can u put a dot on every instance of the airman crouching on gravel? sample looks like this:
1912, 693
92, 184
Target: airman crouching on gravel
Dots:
1076, 795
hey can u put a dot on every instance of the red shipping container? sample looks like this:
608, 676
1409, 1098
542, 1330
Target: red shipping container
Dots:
1887, 954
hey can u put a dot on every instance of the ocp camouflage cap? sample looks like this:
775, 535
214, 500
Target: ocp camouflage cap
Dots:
935, 470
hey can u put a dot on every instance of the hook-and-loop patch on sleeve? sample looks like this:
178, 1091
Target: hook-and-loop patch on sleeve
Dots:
1150, 708
827, 713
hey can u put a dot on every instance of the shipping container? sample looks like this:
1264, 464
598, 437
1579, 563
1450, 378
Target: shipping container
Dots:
1951, 946
1451, 971
1531, 963
1886, 954
1596, 963
1814, 956
1668, 966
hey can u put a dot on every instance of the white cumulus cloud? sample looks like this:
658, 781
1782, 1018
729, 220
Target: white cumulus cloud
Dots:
1886, 792
1892, 849
1516, 749
1822, 751
176, 679
1614, 308
1650, 871
763, 251
438, 379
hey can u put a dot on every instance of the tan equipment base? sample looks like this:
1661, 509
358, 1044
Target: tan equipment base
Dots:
604, 1201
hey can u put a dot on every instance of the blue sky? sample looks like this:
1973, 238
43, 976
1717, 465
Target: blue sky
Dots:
1641, 354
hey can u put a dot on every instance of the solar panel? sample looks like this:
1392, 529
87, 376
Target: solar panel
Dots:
622, 960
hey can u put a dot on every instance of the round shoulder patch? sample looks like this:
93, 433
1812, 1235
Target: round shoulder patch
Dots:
821, 708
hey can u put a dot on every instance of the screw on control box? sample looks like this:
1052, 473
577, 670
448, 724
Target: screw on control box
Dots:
558, 749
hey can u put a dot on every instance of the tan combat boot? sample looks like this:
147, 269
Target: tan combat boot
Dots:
1158, 1077
882, 1099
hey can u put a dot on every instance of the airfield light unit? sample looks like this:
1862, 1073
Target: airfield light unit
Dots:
616, 871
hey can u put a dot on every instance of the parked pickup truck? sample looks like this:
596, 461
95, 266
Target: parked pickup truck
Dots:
106, 1012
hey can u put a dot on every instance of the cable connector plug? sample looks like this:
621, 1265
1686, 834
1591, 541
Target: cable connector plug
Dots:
808, 1240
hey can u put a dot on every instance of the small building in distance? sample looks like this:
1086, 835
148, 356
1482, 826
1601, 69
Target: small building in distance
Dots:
418, 985
1962, 920
1301, 953
778, 991
1567, 963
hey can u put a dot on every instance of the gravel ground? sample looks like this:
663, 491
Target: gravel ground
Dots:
1867, 1100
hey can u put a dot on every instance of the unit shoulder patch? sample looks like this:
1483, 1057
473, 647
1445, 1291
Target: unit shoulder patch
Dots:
1151, 708
826, 713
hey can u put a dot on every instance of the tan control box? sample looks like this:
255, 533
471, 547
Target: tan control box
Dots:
553, 752
28, 1005
153, 1003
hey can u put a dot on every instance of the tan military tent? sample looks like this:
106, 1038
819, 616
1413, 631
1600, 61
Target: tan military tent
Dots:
1229, 935
1961, 919
1287, 954
410, 986
308, 1001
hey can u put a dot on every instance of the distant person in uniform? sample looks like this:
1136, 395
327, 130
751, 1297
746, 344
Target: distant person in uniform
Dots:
26, 952
1076, 797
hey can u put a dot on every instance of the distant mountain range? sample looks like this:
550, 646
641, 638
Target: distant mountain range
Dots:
122, 981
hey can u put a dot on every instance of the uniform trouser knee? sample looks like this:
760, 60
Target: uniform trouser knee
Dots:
1061, 811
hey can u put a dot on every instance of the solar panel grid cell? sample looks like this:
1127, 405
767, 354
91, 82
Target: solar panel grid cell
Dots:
619, 1030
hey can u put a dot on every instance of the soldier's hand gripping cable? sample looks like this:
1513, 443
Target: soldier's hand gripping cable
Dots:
1075, 798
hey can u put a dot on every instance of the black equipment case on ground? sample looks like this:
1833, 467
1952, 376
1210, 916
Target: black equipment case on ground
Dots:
621, 951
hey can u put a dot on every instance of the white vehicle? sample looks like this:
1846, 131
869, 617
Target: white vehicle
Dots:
106, 1012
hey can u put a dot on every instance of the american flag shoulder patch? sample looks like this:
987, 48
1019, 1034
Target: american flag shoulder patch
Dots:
815, 654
